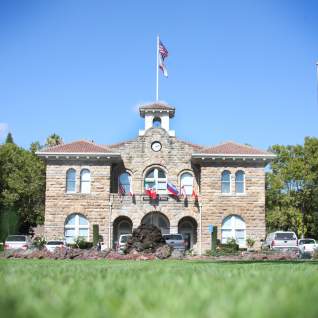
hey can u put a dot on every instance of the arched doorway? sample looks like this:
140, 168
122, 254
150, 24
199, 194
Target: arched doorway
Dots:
121, 225
188, 226
159, 220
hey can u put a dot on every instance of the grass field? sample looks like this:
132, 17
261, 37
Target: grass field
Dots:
45, 288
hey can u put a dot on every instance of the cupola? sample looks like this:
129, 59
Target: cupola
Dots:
157, 115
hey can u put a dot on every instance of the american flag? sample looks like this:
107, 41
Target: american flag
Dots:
122, 190
162, 50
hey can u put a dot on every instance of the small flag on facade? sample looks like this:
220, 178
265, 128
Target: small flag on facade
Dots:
122, 191
151, 193
194, 195
172, 189
183, 191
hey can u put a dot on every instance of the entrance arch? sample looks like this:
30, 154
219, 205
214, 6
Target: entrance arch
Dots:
159, 220
188, 226
121, 225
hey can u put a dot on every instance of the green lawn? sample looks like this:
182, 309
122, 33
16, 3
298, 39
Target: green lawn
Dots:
45, 288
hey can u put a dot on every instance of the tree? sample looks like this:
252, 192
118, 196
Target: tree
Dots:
54, 140
292, 188
22, 187
35, 146
9, 139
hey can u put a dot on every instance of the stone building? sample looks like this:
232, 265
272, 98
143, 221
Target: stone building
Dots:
88, 184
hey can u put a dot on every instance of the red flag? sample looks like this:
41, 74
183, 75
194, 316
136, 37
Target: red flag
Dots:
152, 193
194, 195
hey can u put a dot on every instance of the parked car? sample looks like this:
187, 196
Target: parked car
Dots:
176, 241
307, 245
17, 242
281, 240
52, 245
122, 242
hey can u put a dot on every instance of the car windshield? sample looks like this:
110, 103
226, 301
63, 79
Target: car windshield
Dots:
306, 242
16, 238
54, 243
124, 239
285, 236
174, 237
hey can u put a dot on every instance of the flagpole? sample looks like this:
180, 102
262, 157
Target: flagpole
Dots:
317, 80
157, 86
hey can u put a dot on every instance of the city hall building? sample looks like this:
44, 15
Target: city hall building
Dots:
122, 185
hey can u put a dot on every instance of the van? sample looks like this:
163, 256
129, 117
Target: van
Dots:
281, 240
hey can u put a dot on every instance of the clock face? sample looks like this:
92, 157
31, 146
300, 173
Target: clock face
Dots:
156, 146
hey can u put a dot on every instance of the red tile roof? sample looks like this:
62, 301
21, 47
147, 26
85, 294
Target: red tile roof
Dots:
81, 146
232, 148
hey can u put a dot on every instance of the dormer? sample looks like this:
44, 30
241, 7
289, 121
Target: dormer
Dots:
157, 115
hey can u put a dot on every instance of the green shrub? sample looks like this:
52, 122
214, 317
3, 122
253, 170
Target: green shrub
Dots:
1, 247
95, 234
250, 242
81, 243
39, 242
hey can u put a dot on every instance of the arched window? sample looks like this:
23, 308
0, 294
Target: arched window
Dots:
76, 225
85, 181
186, 182
156, 123
71, 180
239, 181
157, 180
233, 227
124, 184
226, 182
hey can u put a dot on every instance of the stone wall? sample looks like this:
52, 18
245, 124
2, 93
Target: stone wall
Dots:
59, 204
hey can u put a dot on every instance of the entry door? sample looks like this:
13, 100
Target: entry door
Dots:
188, 240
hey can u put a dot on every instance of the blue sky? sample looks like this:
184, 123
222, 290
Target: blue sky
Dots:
238, 70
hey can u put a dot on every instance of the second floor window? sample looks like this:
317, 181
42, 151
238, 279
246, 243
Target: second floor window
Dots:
85, 181
186, 182
71, 180
124, 184
239, 181
157, 180
226, 182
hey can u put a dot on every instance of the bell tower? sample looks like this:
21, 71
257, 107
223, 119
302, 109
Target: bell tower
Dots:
157, 115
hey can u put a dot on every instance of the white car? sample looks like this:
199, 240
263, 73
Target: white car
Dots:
307, 245
14, 242
52, 245
281, 240
122, 242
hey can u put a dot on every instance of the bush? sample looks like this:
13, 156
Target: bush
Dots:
39, 242
81, 244
250, 242
1, 247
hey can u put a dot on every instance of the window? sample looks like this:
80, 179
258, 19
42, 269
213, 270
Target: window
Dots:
85, 181
71, 180
239, 181
124, 183
226, 182
156, 179
186, 182
156, 123
76, 225
233, 227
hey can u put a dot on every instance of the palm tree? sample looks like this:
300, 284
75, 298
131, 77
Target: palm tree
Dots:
54, 140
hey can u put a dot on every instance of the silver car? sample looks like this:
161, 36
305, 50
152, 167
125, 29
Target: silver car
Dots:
52, 245
122, 242
307, 245
17, 242
281, 240
176, 241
